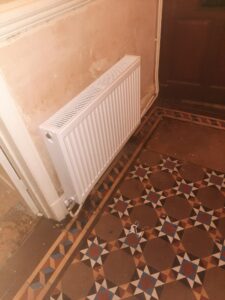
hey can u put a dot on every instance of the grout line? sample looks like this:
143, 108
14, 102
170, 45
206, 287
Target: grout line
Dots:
37, 269
151, 119
43, 261
189, 113
95, 214
194, 122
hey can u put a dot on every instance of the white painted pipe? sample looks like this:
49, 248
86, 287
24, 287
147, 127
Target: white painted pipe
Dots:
157, 56
158, 44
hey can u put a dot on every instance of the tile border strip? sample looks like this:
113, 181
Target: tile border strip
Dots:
40, 281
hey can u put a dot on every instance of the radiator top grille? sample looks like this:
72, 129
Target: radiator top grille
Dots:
82, 101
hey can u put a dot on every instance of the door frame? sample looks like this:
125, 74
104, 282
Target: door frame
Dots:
18, 145
17, 181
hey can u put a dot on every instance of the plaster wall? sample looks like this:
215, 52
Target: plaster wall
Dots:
51, 63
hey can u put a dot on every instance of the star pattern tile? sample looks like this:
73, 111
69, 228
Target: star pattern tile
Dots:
169, 229
205, 217
188, 269
147, 283
191, 234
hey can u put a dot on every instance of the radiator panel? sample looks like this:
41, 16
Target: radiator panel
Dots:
85, 136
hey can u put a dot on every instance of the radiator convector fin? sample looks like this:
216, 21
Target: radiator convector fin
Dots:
85, 135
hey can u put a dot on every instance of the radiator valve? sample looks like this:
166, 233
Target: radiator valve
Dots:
70, 202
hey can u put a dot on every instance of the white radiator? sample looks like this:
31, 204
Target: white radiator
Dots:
85, 135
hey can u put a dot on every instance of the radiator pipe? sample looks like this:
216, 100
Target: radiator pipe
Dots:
157, 57
69, 203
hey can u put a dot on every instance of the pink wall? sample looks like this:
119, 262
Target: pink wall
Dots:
50, 64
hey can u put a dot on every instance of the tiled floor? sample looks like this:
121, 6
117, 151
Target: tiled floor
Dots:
191, 142
179, 250
181, 254
18, 267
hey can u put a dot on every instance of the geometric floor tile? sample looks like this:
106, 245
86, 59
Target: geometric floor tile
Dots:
177, 207
215, 179
162, 180
211, 197
221, 226
220, 254
109, 228
119, 267
170, 165
77, 280
131, 188
140, 172
176, 291
147, 284
153, 197
120, 206
191, 172
144, 215
157, 249
150, 158
188, 269
168, 229
197, 242
132, 241
205, 217
128, 265
161, 235
59, 296
103, 292
214, 283
186, 189
93, 252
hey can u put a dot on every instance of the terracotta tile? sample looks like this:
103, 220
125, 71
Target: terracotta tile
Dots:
77, 280
114, 256
176, 291
191, 172
162, 180
190, 142
131, 188
159, 254
144, 215
141, 172
121, 206
221, 227
17, 269
211, 197
109, 228
119, 267
170, 165
216, 180
197, 242
150, 158
204, 218
214, 283
177, 207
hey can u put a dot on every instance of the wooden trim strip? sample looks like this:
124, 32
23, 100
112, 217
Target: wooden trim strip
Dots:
149, 121
95, 214
24, 287
43, 261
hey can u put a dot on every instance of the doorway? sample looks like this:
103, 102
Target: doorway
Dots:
192, 65
16, 217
